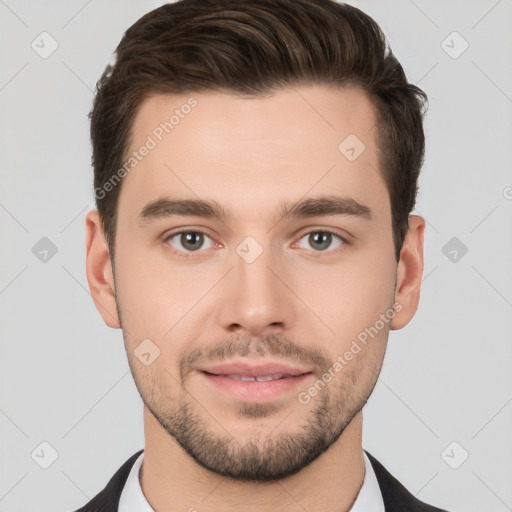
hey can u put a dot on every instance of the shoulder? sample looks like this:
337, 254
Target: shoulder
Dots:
395, 496
107, 500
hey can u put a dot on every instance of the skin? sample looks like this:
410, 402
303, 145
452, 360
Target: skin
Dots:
298, 302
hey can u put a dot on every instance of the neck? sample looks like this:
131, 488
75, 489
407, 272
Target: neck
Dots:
171, 479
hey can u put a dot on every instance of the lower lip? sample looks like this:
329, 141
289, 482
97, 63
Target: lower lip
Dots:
256, 391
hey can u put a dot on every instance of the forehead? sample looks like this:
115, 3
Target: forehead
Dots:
258, 150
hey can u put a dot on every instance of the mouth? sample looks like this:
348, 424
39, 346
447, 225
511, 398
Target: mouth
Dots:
256, 378
253, 371
256, 385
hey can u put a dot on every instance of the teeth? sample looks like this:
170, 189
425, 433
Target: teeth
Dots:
240, 377
268, 377
257, 379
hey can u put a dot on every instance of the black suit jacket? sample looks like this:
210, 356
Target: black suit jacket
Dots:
395, 496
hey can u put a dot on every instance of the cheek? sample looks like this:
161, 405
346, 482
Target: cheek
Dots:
348, 296
156, 295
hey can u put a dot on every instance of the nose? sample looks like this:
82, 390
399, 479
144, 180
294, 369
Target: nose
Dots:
256, 299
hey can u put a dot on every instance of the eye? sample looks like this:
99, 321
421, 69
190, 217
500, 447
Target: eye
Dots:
321, 240
190, 241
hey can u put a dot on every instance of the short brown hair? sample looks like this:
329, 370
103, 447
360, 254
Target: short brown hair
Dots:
253, 47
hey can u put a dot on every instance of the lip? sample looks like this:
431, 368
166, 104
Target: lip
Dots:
245, 369
254, 391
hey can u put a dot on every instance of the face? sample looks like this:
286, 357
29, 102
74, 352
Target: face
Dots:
248, 235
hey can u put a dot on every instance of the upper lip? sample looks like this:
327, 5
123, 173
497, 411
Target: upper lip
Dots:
254, 370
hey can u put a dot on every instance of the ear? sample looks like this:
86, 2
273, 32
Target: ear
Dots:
99, 270
409, 273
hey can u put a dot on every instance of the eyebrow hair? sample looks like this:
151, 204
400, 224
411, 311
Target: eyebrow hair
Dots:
310, 207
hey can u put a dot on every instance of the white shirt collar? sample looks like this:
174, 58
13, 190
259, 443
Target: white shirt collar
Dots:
369, 498
132, 498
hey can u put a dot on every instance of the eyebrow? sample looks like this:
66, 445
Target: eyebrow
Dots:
311, 207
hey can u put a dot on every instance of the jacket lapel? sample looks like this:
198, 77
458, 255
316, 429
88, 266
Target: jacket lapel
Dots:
395, 496
108, 499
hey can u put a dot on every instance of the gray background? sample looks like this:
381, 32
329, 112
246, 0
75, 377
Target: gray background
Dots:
64, 378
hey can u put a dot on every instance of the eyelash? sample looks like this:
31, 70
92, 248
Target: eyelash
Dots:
189, 254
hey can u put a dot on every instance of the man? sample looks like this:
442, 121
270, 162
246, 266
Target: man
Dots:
256, 163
